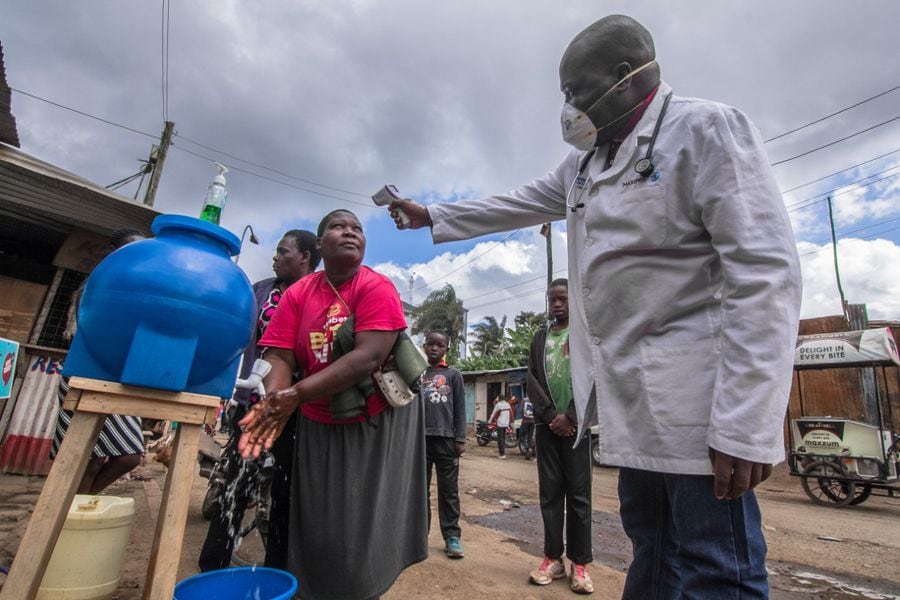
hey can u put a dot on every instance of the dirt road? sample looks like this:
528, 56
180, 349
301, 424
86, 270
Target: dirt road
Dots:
814, 551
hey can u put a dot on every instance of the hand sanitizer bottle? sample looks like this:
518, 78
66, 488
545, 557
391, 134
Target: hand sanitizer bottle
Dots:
214, 202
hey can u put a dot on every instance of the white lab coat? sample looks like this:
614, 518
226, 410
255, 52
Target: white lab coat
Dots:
684, 288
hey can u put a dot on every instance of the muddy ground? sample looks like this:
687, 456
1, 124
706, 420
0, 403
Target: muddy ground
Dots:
814, 551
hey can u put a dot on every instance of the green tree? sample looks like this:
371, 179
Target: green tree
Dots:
529, 321
497, 347
442, 310
517, 342
488, 335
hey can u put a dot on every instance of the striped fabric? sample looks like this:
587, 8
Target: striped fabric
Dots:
120, 434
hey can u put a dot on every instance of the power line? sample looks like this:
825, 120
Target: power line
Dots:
289, 176
126, 180
470, 261
796, 129
865, 237
844, 234
260, 166
843, 139
164, 64
272, 179
509, 287
797, 187
533, 292
840, 191
84, 114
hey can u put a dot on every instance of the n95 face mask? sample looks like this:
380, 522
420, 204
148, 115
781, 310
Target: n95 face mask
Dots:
577, 128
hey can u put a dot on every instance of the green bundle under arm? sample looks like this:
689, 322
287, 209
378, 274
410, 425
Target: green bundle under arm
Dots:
351, 402
405, 358
410, 362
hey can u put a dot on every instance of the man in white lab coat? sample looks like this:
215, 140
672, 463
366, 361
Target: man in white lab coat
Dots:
685, 291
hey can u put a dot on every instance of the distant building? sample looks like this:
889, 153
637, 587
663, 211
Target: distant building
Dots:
412, 314
483, 387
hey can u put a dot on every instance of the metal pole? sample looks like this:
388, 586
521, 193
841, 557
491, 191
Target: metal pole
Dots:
837, 271
253, 240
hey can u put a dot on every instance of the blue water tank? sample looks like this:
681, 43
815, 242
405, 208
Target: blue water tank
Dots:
172, 312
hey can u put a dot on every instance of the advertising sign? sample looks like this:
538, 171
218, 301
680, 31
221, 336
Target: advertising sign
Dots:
9, 350
846, 348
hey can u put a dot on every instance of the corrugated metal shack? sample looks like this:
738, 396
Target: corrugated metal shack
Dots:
483, 387
54, 229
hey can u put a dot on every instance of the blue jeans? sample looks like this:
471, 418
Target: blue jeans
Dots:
687, 544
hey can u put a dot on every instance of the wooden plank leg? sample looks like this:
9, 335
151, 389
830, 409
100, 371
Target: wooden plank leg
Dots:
166, 552
52, 507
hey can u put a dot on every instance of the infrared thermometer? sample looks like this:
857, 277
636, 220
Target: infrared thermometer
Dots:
385, 196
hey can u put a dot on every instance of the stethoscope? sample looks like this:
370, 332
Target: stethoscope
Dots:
643, 167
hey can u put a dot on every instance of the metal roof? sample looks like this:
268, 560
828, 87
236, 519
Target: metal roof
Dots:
34, 191
492, 371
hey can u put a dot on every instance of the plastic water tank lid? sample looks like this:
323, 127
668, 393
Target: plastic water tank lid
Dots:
221, 234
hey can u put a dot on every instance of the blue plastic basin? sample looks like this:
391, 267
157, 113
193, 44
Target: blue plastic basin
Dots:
239, 583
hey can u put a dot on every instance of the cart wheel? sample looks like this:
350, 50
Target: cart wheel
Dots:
821, 487
863, 491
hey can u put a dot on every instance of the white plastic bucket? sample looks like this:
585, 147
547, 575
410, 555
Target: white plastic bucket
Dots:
87, 561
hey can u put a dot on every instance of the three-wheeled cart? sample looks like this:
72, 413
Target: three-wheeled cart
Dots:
841, 462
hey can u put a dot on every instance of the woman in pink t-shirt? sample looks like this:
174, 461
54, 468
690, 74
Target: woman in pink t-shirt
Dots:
359, 505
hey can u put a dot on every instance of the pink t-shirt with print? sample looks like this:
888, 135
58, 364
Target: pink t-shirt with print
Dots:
309, 314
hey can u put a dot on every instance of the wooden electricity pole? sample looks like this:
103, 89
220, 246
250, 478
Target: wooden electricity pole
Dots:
157, 159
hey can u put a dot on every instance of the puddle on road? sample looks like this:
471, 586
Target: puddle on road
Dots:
522, 523
797, 581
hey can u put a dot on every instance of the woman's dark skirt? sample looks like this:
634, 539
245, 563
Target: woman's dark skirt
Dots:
359, 506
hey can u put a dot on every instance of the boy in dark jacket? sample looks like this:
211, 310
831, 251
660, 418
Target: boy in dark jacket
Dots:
564, 472
444, 398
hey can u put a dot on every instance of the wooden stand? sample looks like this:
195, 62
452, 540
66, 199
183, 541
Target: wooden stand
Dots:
92, 400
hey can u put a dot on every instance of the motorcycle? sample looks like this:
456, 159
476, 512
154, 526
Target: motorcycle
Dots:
213, 465
258, 473
485, 433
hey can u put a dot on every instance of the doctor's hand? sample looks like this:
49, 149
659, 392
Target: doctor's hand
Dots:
734, 476
265, 421
417, 214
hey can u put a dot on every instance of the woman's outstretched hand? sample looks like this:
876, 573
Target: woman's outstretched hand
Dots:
265, 421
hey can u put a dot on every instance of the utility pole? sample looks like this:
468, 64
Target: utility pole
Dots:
465, 336
157, 159
547, 232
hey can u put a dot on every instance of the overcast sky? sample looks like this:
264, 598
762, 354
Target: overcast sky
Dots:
449, 100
